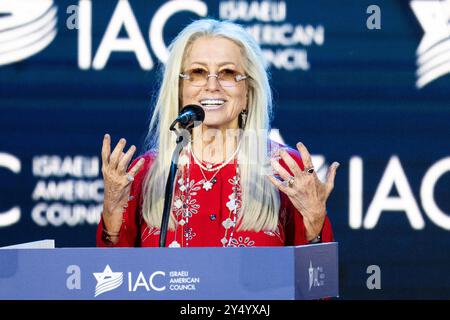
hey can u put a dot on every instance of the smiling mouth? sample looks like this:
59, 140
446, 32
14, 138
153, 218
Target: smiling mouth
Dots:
212, 104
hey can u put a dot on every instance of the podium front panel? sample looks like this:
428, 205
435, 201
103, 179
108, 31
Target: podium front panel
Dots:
263, 273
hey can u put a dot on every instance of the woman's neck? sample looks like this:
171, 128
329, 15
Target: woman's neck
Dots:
214, 145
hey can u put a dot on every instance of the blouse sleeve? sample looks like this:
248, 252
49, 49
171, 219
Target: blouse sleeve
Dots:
294, 226
129, 235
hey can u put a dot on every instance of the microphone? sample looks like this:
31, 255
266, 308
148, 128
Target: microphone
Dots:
190, 115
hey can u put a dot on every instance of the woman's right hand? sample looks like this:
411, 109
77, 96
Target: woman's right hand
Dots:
117, 182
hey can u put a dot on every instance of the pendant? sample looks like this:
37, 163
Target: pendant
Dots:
207, 185
209, 165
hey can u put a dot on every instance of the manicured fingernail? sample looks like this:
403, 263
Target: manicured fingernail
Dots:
106, 136
299, 144
122, 140
337, 164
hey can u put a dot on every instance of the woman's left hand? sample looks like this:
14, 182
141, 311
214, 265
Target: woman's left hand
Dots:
306, 192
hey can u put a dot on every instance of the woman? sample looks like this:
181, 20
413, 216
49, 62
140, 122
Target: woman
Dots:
223, 195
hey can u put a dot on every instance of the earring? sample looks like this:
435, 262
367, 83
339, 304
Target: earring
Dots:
243, 117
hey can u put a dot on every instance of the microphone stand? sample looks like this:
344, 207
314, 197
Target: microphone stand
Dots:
169, 186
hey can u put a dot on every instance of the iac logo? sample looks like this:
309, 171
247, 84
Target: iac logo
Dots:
316, 276
26, 28
433, 53
134, 41
107, 280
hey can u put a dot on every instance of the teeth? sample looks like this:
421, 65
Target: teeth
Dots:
212, 102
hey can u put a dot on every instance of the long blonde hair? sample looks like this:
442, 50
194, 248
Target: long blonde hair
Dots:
260, 199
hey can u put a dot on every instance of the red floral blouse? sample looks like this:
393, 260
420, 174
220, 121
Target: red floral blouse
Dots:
207, 214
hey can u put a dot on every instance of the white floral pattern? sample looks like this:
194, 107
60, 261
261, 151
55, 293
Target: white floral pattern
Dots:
228, 223
232, 204
185, 205
242, 242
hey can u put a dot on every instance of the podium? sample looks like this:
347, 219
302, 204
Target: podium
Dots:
260, 273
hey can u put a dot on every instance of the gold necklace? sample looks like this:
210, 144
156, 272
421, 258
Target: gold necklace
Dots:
208, 183
209, 167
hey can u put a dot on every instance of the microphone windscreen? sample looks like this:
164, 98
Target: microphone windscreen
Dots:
195, 112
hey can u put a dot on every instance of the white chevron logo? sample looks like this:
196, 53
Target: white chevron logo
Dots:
26, 28
433, 53
107, 280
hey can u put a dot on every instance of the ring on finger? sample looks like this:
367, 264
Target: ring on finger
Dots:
291, 181
130, 178
310, 170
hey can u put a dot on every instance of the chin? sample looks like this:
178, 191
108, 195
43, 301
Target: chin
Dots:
218, 120
216, 124
213, 124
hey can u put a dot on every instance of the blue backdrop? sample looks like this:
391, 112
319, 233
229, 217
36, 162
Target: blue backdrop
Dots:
364, 85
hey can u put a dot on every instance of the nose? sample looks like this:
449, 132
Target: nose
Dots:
212, 84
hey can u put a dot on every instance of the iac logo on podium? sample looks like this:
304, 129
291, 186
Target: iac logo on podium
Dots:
316, 276
142, 282
26, 28
107, 280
